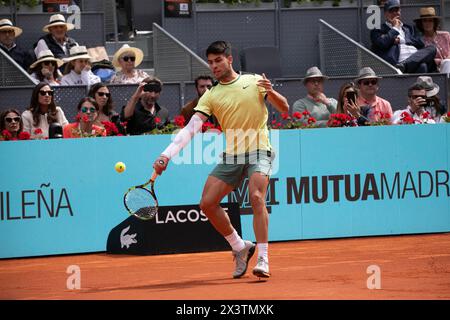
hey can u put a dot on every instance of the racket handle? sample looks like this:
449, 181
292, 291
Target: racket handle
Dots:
154, 176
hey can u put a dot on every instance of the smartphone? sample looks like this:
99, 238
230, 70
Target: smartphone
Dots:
351, 96
152, 87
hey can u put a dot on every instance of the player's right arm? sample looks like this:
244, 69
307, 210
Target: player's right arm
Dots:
183, 137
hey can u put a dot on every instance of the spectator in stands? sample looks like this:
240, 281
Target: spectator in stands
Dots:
101, 94
414, 112
11, 125
347, 104
142, 112
88, 111
78, 68
126, 60
202, 84
8, 35
433, 106
46, 69
316, 102
56, 40
42, 112
368, 85
400, 45
428, 23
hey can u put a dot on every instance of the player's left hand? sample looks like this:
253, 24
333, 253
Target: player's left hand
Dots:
265, 83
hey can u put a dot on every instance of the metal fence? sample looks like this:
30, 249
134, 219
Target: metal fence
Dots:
11, 74
342, 56
293, 30
173, 61
176, 94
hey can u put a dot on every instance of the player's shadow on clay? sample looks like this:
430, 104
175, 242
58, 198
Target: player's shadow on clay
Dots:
182, 284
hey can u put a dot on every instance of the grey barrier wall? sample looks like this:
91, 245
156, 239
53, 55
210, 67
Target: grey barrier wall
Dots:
176, 94
295, 30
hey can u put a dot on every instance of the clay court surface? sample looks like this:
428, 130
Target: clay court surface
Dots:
412, 267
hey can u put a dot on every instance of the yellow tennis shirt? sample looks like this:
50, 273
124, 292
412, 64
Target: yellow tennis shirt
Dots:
240, 108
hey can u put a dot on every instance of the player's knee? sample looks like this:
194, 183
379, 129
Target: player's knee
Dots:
256, 199
206, 205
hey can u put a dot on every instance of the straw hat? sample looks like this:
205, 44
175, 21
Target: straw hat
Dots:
313, 72
126, 48
58, 20
6, 24
366, 73
46, 55
426, 13
78, 52
428, 84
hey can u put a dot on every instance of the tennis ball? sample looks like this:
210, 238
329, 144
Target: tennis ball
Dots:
120, 167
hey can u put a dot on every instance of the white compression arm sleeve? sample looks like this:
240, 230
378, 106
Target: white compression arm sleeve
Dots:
184, 137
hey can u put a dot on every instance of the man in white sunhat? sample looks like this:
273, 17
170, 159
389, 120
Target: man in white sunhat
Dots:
8, 35
126, 60
56, 39
78, 68
45, 69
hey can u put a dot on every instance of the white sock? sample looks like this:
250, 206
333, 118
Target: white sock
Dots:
235, 241
263, 251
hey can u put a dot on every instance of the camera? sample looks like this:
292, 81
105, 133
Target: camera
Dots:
152, 87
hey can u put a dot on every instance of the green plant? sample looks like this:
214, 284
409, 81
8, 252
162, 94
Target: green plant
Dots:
19, 3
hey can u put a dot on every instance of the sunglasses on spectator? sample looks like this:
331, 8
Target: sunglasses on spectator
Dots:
46, 93
90, 109
126, 58
104, 94
15, 119
48, 63
368, 82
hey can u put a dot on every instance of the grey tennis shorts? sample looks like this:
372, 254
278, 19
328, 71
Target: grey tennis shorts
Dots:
233, 169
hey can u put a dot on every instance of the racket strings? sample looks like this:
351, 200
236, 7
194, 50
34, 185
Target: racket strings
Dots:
141, 203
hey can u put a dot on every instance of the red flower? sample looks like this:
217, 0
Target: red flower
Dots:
297, 115
24, 135
448, 114
38, 131
312, 120
285, 116
179, 121
111, 128
6, 134
306, 113
274, 122
426, 115
84, 118
157, 120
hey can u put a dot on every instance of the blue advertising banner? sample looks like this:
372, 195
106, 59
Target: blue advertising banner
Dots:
64, 196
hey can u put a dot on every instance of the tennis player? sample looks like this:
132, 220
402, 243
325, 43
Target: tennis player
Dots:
238, 102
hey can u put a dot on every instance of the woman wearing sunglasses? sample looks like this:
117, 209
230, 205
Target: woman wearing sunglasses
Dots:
100, 93
45, 69
11, 126
126, 60
84, 126
42, 112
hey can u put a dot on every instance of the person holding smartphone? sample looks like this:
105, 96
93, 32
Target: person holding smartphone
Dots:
142, 112
347, 104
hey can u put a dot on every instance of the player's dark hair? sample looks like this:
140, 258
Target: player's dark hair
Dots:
219, 47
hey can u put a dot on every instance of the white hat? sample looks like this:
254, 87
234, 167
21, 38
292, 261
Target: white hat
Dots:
78, 52
126, 48
6, 24
46, 55
58, 20
313, 72
366, 73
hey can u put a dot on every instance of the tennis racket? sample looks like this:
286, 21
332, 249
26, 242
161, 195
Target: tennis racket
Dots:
140, 201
